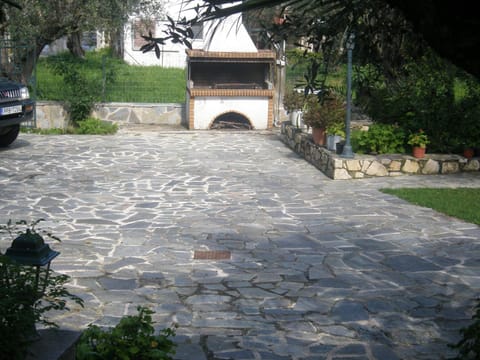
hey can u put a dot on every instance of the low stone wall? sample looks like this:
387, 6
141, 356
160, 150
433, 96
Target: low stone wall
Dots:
51, 114
361, 166
135, 113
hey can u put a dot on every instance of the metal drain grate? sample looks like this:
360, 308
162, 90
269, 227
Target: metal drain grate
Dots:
211, 255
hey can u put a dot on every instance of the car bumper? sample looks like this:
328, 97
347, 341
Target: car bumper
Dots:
15, 119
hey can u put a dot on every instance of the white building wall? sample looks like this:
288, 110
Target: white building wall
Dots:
171, 55
225, 35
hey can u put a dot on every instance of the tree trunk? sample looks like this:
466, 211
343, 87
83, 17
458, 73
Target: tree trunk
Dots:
28, 61
116, 43
74, 44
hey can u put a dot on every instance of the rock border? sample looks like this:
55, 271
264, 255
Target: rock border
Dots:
362, 166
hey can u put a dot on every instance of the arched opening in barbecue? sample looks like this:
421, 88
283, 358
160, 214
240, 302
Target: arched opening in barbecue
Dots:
231, 120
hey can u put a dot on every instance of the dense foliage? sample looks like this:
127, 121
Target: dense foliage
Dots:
469, 346
95, 126
426, 95
80, 92
324, 112
40, 22
133, 338
379, 139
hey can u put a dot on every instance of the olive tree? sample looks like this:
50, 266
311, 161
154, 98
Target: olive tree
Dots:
40, 22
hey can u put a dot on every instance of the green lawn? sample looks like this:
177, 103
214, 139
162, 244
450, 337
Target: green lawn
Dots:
462, 203
126, 83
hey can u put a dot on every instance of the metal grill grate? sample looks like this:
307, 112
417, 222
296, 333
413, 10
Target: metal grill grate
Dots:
10, 94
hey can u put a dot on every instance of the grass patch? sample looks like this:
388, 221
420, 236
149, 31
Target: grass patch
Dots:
123, 82
89, 126
462, 203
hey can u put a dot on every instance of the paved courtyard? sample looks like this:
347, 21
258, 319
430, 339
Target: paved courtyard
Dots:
306, 268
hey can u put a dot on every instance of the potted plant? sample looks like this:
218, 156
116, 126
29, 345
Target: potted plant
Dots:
320, 113
469, 149
335, 134
418, 140
293, 102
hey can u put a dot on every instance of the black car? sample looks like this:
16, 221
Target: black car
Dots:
15, 107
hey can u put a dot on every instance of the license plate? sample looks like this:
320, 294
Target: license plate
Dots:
11, 110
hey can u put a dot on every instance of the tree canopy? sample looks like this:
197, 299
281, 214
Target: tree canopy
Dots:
40, 22
449, 28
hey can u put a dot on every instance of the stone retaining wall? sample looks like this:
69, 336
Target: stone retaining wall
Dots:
51, 114
361, 166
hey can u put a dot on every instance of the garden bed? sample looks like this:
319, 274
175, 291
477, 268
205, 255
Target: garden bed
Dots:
362, 166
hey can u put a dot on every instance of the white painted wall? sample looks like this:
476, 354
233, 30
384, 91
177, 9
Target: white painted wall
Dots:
171, 55
207, 109
227, 35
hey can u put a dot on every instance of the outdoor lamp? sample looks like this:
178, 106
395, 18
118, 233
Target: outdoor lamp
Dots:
347, 148
29, 249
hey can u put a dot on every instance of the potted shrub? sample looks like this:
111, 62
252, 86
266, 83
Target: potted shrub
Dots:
469, 149
293, 102
335, 134
418, 141
321, 112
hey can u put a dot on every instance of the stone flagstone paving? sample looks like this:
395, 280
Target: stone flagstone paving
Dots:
304, 267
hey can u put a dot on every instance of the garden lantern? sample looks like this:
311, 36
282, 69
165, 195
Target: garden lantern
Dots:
29, 249
347, 148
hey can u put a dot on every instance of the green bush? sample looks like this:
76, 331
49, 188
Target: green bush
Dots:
131, 339
93, 126
469, 346
337, 128
80, 92
422, 96
379, 139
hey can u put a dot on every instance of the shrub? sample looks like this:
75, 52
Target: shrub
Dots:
323, 112
469, 346
379, 139
80, 91
131, 339
293, 100
337, 128
93, 126
21, 306
423, 96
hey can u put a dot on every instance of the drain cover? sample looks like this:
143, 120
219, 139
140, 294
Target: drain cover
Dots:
211, 255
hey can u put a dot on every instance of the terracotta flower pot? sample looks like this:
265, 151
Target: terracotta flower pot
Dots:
319, 136
468, 153
419, 152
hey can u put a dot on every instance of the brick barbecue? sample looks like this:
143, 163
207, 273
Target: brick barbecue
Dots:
230, 88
